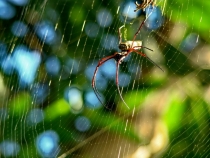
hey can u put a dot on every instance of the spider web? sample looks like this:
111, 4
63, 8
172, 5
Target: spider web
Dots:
48, 54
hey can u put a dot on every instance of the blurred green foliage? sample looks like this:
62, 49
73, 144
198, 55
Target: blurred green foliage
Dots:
184, 110
194, 13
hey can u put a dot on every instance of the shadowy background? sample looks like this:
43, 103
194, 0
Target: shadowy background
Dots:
49, 51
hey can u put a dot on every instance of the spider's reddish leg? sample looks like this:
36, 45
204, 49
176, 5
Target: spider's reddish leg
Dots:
117, 70
143, 47
103, 60
93, 85
154, 63
144, 55
138, 32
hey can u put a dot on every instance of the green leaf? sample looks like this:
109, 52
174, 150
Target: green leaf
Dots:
175, 110
76, 15
194, 13
57, 109
176, 61
20, 103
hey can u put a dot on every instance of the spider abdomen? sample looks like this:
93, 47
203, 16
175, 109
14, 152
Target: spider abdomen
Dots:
137, 45
124, 46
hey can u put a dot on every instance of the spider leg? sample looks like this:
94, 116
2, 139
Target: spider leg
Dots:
154, 63
94, 87
103, 60
144, 55
117, 70
137, 6
94, 82
119, 33
138, 31
143, 47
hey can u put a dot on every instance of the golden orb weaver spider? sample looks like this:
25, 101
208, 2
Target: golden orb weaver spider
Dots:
126, 48
144, 4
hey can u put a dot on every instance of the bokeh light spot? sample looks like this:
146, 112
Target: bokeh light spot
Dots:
47, 144
9, 148
52, 65
19, 28
19, 2
128, 10
82, 124
190, 42
74, 65
46, 32
92, 29
92, 100
109, 69
7, 11
110, 42
7, 65
35, 116
104, 18
39, 92
3, 52
26, 63
100, 80
155, 18
124, 79
74, 98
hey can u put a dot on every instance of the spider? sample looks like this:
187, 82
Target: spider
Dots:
145, 4
126, 48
